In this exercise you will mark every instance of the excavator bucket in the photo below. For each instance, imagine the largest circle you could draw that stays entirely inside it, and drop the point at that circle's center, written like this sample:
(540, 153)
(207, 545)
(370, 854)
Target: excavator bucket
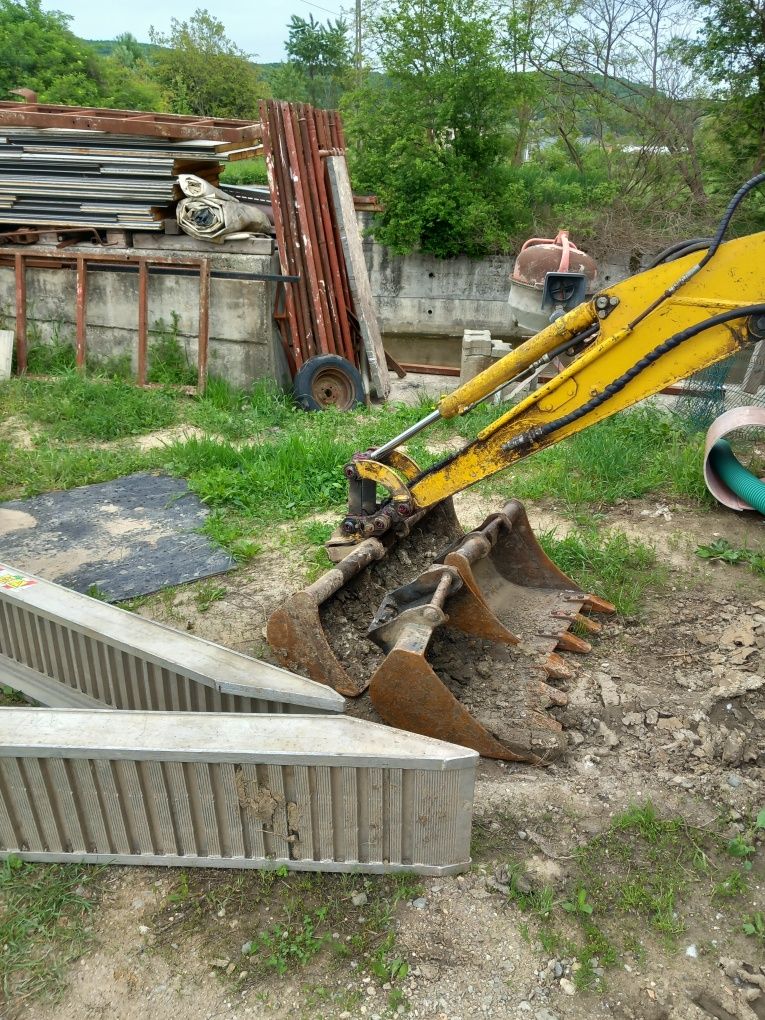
(464, 651)
(471, 643)
(318, 630)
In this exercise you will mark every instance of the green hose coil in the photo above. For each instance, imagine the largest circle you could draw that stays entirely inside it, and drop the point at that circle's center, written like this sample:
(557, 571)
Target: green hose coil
(746, 486)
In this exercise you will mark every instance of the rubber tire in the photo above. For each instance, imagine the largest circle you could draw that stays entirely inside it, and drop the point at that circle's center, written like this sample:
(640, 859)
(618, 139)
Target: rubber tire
(309, 376)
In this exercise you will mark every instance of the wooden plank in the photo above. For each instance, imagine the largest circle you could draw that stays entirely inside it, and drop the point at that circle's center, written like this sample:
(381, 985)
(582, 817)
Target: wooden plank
(358, 276)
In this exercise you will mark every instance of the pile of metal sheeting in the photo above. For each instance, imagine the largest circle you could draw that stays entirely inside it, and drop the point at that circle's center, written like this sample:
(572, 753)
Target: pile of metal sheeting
(62, 177)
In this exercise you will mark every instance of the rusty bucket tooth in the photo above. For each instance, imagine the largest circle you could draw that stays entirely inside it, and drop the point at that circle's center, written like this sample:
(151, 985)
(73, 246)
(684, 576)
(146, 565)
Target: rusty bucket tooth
(295, 631)
(556, 667)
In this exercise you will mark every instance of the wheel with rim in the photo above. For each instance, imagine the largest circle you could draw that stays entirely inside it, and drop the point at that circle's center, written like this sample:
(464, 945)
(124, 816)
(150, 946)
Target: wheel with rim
(328, 381)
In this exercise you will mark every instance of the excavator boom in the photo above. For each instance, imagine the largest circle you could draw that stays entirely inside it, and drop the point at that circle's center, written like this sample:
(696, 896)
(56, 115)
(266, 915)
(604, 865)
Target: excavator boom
(491, 601)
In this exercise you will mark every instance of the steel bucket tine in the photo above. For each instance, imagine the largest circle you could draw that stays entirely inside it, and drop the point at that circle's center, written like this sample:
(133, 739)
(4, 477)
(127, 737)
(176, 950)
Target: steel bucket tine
(407, 693)
(295, 633)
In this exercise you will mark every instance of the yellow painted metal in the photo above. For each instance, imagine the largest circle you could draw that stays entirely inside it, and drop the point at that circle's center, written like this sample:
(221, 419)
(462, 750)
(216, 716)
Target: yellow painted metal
(517, 361)
(733, 278)
(382, 474)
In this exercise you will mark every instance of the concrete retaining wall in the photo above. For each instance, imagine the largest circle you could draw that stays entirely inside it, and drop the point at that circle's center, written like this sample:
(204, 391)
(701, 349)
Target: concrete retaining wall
(243, 347)
(419, 294)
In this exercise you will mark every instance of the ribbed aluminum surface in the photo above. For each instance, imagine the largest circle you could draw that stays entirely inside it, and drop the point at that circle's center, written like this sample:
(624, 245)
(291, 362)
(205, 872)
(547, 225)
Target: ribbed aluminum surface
(334, 794)
(64, 649)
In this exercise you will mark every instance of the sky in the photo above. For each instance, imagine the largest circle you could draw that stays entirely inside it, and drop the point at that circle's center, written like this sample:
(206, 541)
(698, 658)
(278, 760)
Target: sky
(259, 27)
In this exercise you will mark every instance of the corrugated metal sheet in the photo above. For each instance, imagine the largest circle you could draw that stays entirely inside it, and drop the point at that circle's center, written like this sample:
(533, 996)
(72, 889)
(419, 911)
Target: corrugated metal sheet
(311, 793)
(64, 649)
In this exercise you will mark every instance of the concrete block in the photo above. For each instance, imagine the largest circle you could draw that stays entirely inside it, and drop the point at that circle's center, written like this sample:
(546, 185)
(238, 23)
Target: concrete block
(309, 793)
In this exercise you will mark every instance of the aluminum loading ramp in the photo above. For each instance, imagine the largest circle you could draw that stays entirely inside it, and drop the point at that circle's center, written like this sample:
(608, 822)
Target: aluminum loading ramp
(237, 791)
(66, 650)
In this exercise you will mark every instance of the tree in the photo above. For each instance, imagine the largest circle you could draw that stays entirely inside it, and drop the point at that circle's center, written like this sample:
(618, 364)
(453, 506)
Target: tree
(320, 54)
(203, 71)
(730, 50)
(617, 64)
(39, 52)
(431, 129)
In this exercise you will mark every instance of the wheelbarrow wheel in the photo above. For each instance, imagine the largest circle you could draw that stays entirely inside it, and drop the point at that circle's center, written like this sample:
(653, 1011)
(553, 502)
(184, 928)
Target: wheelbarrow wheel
(328, 381)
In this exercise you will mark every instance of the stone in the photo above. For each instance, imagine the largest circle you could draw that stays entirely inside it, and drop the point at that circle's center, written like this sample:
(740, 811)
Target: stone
(733, 780)
(609, 693)
(359, 899)
(632, 718)
(545, 1014)
(567, 987)
(420, 903)
(609, 737)
(672, 723)
(651, 717)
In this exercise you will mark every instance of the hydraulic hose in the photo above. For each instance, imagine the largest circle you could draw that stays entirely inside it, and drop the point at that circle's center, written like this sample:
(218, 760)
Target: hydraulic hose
(739, 479)
(540, 432)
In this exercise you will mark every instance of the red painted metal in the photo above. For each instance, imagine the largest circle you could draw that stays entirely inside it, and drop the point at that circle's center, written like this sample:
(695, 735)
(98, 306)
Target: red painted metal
(32, 258)
(81, 313)
(306, 339)
(21, 314)
(143, 318)
(128, 122)
(318, 314)
(203, 330)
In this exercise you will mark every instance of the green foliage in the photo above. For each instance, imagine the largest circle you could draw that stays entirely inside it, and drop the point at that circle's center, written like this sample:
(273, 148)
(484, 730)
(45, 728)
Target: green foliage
(722, 550)
(38, 51)
(729, 50)
(431, 130)
(245, 171)
(283, 947)
(754, 926)
(318, 61)
(203, 71)
(168, 361)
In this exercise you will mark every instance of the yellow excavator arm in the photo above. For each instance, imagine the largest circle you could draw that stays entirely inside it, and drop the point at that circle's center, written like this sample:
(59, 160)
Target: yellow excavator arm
(633, 339)
(490, 603)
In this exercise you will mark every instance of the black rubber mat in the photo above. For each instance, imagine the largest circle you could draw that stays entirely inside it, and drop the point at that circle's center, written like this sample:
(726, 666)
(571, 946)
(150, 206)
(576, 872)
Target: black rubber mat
(129, 537)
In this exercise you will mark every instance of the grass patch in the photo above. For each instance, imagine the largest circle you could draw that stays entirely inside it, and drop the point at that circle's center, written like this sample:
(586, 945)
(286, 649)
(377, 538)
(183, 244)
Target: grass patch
(75, 407)
(43, 925)
(287, 921)
(608, 564)
(637, 874)
(626, 457)
(49, 467)
(168, 361)
(294, 466)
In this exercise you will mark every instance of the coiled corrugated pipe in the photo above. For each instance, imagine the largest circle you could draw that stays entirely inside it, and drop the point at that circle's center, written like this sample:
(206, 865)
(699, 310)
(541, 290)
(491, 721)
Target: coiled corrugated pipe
(727, 479)
(732, 473)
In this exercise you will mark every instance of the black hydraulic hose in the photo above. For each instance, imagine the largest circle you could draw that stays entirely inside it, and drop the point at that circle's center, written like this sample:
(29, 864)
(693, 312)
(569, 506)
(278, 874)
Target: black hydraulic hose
(742, 192)
(678, 249)
(540, 432)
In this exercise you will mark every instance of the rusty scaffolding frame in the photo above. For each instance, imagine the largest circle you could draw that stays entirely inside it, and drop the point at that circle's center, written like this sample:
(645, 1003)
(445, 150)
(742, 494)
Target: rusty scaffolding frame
(22, 260)
(315, 316)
